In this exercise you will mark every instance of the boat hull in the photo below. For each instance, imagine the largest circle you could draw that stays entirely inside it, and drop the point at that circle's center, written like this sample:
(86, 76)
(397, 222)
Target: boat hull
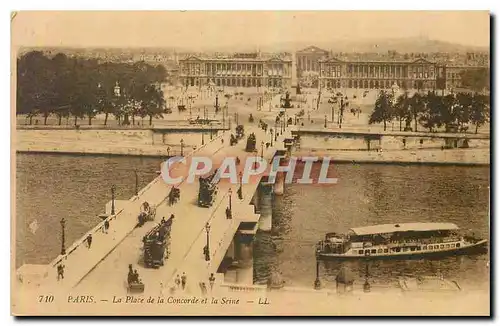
(477, 248)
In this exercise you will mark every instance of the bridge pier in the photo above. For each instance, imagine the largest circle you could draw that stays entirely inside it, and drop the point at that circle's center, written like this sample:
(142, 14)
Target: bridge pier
(240, 251)
(279, 184)
(256, 201)
(265, 206)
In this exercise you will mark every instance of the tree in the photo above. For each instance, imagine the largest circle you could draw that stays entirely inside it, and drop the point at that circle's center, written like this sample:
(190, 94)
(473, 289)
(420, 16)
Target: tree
(449, 112)
(383, 110)
(35, 80)
(463, 109)
(417, 106)
(402, 110)
(431, 116)
(480, 110)
(82, 87)
(153, 103)
(476, 79)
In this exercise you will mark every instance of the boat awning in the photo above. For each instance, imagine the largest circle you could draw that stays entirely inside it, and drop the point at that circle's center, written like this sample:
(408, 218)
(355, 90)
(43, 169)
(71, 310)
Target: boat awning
(403, 227)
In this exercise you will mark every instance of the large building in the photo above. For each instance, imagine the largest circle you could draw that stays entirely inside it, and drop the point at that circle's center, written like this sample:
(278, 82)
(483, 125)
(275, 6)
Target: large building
(237, 70)
(308, 60)
(381, 71)
(415, 74)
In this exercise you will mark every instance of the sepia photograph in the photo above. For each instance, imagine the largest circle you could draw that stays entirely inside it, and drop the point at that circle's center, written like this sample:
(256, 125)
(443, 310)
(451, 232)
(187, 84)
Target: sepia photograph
(250, 163)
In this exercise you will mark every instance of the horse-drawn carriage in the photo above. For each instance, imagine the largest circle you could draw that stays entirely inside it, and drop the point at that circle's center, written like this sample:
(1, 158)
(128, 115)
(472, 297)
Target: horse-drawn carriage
(208, 190)
(251, 141)
(263, 125)
(174, 196)
(233, 141)
(240, 132)
(156, 244)
(148, 213)
(134, 283)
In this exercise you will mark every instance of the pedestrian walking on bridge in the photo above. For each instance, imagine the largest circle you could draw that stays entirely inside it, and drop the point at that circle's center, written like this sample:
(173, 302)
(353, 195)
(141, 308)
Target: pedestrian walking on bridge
(183, 280)
(60, 272)
(89, 240)
(177, 281)
(211, 280)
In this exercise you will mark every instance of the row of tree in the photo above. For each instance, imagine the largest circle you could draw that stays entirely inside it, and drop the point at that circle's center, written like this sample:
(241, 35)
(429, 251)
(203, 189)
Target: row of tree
(432, 111)
(67, 86)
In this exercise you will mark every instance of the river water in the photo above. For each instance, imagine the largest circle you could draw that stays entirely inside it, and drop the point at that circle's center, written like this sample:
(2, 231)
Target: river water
(77, 188)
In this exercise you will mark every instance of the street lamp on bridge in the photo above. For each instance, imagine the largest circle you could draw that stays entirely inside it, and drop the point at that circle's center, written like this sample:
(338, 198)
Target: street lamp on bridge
(182, 147)
(207, 247)
(63, 247)
(113, 188)
(271, 130)
(317, 282)
(136, 183)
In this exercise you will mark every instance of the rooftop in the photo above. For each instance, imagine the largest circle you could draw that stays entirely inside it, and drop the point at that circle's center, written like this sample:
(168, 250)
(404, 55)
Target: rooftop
(403, 227)
(254, 56)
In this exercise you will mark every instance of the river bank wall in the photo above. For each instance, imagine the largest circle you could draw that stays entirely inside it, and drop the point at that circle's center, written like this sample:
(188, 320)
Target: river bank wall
(340, 147)
(137, 142)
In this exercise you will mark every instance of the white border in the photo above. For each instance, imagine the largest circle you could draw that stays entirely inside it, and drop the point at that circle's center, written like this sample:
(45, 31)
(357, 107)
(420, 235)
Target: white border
(182, 5)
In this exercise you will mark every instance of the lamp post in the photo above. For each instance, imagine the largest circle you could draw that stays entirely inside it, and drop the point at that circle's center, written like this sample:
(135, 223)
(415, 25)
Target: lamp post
(190, 102)
(63, 247)
(113, 188)
(202, 137)
(207, 247)
(271, 130)
(230, 192)
(136, 183)
(262, 149)
(325, 120)
(317, 282)
(223, 118)
(275, 130)
(182, 147)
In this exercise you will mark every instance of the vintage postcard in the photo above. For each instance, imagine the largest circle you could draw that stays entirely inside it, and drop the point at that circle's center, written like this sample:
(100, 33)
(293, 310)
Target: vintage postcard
(251, 163)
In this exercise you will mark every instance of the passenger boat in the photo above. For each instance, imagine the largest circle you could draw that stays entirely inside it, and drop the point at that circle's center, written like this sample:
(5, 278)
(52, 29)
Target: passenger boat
(403, 240)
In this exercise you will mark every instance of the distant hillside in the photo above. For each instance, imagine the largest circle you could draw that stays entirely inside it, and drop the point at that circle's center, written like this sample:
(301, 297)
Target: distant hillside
(382, 45)
(414, 44)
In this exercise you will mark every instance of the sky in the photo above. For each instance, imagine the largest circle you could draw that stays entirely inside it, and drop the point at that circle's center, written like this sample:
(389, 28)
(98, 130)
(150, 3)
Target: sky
(257, 28)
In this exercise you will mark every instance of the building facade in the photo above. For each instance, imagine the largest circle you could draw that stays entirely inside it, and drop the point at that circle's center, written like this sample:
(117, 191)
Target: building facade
(238, 70)
(453, 75)
(308, 60)
(416, 74)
